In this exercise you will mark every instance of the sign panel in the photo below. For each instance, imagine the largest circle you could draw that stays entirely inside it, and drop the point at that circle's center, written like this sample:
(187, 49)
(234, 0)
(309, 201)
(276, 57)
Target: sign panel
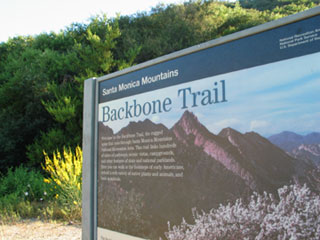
(207, 128)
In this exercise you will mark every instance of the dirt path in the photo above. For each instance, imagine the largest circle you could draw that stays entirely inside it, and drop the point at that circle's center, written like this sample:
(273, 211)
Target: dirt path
(38, 230)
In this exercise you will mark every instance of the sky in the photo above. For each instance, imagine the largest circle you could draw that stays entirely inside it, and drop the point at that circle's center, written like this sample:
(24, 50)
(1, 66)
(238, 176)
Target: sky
(266, 99)
(32, 17)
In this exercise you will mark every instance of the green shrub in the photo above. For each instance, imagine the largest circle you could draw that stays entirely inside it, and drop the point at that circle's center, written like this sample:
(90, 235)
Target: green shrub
(25, 185)
(27, 193)
(23, 194)
(52, 140)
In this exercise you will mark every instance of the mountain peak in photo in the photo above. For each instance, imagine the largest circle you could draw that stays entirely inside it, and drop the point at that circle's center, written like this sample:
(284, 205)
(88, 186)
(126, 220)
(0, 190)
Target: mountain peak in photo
(261, 164)
(189, 122)
(142, 126)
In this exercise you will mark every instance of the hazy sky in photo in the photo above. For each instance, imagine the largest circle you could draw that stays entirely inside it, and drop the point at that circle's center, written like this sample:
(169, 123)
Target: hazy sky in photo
(268, 99)
(32, 17)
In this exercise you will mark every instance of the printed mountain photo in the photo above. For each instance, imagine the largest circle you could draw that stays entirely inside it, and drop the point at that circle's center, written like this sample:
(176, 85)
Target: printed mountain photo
(232, 156)
(218, 169)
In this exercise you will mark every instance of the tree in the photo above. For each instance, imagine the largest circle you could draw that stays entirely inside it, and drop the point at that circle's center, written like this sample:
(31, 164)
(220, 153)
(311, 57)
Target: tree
(21, 113)
(93, 55)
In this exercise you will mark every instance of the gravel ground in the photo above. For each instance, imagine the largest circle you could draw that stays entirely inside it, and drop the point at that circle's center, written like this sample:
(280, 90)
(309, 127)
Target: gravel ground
(38, 230)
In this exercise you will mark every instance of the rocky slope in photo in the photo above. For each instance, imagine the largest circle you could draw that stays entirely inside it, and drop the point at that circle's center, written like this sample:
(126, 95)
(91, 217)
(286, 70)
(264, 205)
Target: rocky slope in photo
(306, 147)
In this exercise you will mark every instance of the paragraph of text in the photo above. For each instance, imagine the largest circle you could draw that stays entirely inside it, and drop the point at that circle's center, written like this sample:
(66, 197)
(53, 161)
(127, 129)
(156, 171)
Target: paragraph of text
(142, 154)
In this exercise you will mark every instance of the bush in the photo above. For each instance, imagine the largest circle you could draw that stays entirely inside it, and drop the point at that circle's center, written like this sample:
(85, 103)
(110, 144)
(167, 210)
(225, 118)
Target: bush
(22, 194)
(28, 194)
(51, 140)
(294, 216)
(66, 179)
(25, 184)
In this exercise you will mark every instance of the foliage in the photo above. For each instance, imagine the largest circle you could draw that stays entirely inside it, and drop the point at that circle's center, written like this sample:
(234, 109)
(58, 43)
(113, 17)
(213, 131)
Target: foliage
(285, 7)
(22, 193)
(295, 215)
(26, 194)
(292, 7)
(52, 140)
(66, 177)
(64, 107)
(28, 184)
(92, 55)
(24, 87)
(21, 114)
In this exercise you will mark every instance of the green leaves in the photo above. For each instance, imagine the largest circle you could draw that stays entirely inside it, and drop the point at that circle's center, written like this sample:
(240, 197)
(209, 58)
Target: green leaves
(65, 103)
(96, 52)
(92, 54)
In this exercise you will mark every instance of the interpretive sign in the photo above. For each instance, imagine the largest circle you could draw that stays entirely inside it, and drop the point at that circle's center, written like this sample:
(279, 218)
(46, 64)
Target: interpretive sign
(205, 127)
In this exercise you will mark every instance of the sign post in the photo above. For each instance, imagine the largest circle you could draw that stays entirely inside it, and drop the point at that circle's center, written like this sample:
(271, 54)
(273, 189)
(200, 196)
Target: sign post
(88, 172)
